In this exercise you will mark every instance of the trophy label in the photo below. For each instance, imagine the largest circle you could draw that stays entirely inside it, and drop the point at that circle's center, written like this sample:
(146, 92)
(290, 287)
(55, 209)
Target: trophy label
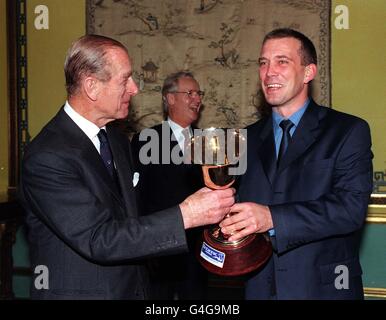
(212, 255)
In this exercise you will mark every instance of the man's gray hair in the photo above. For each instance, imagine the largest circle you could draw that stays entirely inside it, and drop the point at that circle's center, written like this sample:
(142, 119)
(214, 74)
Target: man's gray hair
(171, 85)
(87, 56)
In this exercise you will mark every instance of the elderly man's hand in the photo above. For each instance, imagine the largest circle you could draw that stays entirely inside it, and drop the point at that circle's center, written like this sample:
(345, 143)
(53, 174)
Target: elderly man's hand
(206, 206)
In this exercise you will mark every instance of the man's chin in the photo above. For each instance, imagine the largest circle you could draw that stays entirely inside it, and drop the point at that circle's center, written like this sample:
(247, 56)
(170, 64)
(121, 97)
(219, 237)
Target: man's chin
(273, 102)
(122, 114)
(194, 118)
(195, 113)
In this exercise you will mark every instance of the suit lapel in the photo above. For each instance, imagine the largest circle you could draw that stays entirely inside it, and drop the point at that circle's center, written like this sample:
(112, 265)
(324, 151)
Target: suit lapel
(266, 149)
(91, 155)
(79, 141)
(304, 136)
(123, 163)
(170, 140)
(173, 141)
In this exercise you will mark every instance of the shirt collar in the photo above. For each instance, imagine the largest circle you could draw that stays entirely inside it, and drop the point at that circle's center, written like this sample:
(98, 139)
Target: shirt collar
(89, 128)
(295, 118)
(176, 128)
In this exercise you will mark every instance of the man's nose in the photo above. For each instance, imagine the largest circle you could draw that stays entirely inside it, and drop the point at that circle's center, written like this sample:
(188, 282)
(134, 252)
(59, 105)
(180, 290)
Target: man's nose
(132, 87)
(197, 97)
(270, 70)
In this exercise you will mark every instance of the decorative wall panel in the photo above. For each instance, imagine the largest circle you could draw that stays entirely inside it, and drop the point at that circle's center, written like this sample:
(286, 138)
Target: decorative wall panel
(218, 40)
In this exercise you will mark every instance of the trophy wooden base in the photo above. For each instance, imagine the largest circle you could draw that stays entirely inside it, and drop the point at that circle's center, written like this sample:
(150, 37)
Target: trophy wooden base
(233, 258)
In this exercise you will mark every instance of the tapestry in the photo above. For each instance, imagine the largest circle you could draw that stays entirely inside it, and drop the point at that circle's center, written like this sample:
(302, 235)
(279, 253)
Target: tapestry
(218, 40)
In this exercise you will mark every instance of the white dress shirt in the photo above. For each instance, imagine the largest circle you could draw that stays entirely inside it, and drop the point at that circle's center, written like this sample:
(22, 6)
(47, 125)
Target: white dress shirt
(90, 129)
(179, 133)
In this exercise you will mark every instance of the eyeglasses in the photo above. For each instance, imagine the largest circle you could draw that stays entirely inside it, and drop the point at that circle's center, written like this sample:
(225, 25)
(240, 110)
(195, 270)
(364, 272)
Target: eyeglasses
(192, 93)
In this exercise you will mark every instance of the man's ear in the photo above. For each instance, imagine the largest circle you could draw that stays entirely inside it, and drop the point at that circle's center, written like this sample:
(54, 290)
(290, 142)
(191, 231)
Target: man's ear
(91, 87)
(310, 72)
(170, 98)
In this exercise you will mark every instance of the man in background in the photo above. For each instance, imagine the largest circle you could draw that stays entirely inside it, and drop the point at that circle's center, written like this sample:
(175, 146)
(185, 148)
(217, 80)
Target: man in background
(163, 185)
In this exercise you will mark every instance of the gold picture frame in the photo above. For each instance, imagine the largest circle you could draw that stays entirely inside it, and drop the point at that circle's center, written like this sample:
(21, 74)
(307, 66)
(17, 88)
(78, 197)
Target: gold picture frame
(377, 209)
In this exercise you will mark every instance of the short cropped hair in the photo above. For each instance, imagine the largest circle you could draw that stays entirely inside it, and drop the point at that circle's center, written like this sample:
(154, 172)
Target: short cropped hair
(307, 49)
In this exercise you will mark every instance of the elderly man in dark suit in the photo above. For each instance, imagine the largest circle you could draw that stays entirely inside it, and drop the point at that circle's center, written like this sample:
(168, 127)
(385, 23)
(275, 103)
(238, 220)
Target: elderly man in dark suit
(308, 182)
(77, 187)
(165, 184)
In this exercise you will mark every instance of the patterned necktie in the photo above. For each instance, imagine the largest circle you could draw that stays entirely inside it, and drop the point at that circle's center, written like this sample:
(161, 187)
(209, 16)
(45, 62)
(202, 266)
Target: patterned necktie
(105, 152)
(286, 125)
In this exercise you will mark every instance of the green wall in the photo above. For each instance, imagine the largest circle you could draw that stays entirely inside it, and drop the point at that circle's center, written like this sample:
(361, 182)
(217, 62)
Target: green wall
(373, 255)
(46, 53)
(358, 87)
(359, 68)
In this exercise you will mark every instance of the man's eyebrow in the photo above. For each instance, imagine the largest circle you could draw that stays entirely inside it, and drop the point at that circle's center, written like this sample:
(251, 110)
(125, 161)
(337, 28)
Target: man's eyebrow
(283, 57)
(276, 57)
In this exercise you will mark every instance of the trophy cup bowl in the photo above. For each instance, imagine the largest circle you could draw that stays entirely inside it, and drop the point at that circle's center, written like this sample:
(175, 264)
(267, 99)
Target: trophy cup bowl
(218, 150)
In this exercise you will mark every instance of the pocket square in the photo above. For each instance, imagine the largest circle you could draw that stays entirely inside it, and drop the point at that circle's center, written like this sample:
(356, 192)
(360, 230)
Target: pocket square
(135, 178)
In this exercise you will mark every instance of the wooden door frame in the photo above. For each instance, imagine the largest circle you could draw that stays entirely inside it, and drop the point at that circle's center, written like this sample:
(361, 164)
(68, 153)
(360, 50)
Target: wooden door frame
(18, 135)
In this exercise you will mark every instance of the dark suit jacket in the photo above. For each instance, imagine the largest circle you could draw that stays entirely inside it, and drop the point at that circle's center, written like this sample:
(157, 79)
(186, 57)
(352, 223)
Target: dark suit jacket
(81, 226)
(318, 198)
(164, 185)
